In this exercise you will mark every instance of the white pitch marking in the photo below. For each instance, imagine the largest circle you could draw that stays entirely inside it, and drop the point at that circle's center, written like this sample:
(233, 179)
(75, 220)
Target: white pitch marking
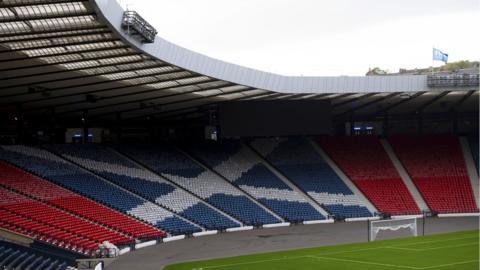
(350, 251)
(451, 246)
(252, 262)
(448, 264)
(365, 262)
(432, 248)
(436, 241)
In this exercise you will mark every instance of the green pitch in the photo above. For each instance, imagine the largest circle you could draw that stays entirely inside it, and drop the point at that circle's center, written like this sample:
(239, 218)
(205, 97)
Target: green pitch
(453, 251)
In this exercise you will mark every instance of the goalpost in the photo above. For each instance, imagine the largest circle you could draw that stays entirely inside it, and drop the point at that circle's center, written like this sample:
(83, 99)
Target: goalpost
(376, 226)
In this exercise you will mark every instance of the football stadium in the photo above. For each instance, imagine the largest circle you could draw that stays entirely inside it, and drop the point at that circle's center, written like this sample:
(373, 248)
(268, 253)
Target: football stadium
(120, 150)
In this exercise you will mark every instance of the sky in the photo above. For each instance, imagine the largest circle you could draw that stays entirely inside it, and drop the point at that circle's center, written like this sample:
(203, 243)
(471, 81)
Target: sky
(319, 37)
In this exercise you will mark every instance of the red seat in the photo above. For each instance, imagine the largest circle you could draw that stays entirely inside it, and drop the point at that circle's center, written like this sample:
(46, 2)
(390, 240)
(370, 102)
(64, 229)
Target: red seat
(438, 169)
(364, 160)
(57, 214)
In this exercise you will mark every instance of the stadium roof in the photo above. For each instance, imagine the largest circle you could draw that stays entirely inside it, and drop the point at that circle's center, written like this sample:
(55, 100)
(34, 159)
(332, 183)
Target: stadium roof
(73, 58)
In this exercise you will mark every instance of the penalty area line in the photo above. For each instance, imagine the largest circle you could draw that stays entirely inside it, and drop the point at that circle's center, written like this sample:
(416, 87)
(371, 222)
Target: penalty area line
(432, 248)
(448, 264)
(365, 262)
(252, 262)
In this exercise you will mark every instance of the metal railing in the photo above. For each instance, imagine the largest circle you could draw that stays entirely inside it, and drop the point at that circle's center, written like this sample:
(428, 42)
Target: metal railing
(136, 26)
(452, 80)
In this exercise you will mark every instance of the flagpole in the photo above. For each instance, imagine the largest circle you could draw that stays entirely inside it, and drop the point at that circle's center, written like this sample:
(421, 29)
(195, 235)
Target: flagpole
(433, 60)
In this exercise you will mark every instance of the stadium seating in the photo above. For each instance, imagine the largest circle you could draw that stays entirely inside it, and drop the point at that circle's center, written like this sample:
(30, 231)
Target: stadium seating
(127, 174)
(53, 168)
(21, 258)
(297, 159)
(364, 160)
(243, 168)
(473, 142)
(437, 166)
(54, 195)
(180, 169)
(52, 225)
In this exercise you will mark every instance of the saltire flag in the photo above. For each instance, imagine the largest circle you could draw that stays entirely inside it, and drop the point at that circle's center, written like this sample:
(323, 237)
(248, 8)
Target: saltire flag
(439, 55)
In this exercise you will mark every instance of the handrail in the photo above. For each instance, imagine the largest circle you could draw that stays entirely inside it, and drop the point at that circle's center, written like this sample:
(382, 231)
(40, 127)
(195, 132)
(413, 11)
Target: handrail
(135, 25)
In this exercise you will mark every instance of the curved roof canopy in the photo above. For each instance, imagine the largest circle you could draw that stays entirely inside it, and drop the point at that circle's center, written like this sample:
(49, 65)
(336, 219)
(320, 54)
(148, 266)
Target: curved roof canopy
(72, 58)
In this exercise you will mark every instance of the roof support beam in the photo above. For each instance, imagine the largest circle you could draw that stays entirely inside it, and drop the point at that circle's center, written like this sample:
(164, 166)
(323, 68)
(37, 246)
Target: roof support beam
(60, 45)
(430, 102)
(263, 96)
(152, 99)
(366, 104)
(69, 33)
(163, 73)
(81, 69)
(53, 90)
(53, 31)
(339, 104)
(42, 3)
(179, 112)
(84, 59)
(89, 75)
(462, 100)
(123, 88)
(384, 110)
(36, 17)
(66, 53)
(189, 100)
(342, 102)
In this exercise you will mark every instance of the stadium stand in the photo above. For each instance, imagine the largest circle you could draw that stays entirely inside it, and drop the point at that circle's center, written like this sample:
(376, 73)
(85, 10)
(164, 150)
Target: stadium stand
(364, 160)
(23, 215)
(243, 168)
(300, 163)
(51, 167)
(473, 142)
(127, 174)
(32, 186)
(437, 167)
(175, 166)
(18, 257)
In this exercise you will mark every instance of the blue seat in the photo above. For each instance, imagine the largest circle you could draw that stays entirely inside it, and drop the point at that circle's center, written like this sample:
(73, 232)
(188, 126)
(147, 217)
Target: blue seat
(180, 169)
(53, 168)
(14, 256)
(245, 170)
(297, 159)
(125, 173)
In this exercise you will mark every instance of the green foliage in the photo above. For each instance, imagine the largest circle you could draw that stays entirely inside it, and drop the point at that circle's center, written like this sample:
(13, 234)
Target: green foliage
(453, 251)
(458, 65)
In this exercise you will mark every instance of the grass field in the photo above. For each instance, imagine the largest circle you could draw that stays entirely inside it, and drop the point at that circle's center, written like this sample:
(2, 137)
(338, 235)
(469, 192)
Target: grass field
(453, 251)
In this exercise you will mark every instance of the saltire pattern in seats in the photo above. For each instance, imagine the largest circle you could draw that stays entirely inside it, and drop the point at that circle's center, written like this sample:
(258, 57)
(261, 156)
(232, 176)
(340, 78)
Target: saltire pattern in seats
(297, 159)
(53, 168)
(123, 172)
(240, 165)
(54, 195)
(167, 161)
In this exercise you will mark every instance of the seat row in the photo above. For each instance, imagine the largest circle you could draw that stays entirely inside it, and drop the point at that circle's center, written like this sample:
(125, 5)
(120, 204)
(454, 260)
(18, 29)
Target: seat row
(24, 258)
(125, 173)
(297, 159)
(364, 160)
(239, 165)
(66, 200)
(45, 216)
(175, 166)
(55, 169)
(437, 167)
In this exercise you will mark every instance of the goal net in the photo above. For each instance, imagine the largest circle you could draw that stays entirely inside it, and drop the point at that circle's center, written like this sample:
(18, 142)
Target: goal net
(408, 224)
